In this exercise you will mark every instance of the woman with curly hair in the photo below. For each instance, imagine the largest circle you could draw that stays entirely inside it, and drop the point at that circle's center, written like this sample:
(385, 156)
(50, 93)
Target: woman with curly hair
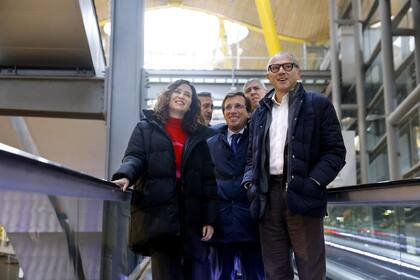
(177, 198)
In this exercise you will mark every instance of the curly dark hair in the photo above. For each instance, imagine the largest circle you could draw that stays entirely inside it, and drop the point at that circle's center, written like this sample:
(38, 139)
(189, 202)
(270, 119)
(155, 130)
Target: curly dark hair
(192, 119)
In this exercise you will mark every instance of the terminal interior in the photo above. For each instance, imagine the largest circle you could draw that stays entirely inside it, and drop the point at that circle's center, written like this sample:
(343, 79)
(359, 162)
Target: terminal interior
(75, 74)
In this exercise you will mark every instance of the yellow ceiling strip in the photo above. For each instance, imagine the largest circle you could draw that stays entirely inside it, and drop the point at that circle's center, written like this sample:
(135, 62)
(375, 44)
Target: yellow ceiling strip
(268, 26)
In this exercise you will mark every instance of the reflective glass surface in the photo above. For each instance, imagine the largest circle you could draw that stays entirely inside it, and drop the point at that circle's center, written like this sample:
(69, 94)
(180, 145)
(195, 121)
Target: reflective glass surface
(375, 124)
(409, 142)
(402, 47)
(374, 78)
(53, 237)
(374, 241)
(371, 35)
(378, 166)
(405, 82)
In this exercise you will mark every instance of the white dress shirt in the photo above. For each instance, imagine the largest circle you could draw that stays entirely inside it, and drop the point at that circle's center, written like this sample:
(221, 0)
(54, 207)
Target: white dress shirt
(278, 133)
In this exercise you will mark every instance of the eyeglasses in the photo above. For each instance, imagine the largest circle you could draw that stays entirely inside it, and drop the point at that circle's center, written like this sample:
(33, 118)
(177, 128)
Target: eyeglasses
(274, 68)
(236, 106)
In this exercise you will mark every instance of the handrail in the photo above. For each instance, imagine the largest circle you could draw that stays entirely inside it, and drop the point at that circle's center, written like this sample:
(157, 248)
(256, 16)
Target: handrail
(20, 171)
(406, 191)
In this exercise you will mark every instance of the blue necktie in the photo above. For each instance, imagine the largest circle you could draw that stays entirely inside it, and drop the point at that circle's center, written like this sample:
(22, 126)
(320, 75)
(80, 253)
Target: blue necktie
(234, 142)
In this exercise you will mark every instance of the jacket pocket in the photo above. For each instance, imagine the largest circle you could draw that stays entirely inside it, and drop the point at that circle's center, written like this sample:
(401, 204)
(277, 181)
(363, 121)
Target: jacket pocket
(312, 189)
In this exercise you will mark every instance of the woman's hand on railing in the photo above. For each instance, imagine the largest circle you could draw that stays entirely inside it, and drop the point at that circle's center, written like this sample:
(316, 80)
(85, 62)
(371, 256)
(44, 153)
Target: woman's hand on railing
(122, 183)
(207, 233)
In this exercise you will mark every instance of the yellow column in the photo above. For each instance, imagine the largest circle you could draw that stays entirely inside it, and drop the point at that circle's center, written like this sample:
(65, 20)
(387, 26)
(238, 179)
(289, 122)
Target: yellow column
(268, 26)
(224, 47)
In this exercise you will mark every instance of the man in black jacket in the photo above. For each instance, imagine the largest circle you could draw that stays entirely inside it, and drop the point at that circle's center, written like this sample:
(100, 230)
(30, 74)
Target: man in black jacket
(296, 149)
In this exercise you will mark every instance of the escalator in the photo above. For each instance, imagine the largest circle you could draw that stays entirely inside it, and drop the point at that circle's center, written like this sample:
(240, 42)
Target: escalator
(373, 231)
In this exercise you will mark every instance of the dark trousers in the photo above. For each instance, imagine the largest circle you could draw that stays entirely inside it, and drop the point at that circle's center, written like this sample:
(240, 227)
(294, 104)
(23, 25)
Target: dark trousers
(283, 232)
(173, 266)
(249, 255)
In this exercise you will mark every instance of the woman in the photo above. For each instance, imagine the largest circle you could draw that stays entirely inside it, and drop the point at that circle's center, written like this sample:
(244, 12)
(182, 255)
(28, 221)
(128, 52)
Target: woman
(177, 197)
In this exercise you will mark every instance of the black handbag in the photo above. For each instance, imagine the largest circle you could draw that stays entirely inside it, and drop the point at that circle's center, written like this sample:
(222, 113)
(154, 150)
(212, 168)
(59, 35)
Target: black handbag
(138, 239)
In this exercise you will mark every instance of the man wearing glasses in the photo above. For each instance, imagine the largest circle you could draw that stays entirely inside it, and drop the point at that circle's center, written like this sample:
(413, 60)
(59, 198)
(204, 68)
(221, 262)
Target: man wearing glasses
(296, 149)
(236, 233)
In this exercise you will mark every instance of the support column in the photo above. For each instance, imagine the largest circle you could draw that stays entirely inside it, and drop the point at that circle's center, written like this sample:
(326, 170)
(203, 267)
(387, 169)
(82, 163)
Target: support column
(335, 64)
(125, 93)
(415, 5)
(360, 91)
(389, 86)
(268, 26)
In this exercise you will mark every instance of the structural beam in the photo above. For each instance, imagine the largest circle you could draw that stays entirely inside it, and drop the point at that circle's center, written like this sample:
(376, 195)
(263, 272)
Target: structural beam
(125, 81)
(268, 26)
(335, 64)
(389, 86)
(80, 98)
(415, 5)
(360, 91)
(47, 34)
(413, 99)
(93, 36)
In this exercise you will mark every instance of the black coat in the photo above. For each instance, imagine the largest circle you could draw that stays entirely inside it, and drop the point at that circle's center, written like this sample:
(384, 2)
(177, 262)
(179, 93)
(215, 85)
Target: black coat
(314, 153)
(234, 223)
(171, 213)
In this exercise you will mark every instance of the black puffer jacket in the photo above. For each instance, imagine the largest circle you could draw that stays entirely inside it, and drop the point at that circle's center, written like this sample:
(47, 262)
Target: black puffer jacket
(170, 214)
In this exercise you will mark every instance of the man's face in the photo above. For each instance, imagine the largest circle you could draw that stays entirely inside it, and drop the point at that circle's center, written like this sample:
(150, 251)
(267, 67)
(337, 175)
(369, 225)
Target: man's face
(235, 113)
(283, 81)
(206, 108)
(255, 93)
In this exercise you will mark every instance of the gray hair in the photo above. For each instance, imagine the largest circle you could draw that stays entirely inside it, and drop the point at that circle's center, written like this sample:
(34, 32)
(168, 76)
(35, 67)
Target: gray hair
(290, 56)
(258, 81)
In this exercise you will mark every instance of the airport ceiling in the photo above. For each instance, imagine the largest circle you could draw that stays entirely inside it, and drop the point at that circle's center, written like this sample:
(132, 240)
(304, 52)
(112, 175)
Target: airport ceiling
(298, 21)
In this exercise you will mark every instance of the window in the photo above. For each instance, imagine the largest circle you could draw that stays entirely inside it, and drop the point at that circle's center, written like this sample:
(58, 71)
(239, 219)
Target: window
(375, 124)
(402, 47)
(371, 35)
(378, 166)
(405, 82)
(409, 142)
(374, 78)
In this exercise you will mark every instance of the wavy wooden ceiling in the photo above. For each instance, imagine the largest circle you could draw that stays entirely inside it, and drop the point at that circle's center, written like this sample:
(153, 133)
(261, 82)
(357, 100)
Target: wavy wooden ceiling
(303, 19)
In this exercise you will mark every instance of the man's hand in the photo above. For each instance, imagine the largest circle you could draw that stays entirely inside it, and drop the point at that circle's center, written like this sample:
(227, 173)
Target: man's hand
(207, 233)
(122, 183)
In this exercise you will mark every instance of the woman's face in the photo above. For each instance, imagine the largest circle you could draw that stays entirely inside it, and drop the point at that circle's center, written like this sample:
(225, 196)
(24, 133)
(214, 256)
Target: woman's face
(180, 101)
